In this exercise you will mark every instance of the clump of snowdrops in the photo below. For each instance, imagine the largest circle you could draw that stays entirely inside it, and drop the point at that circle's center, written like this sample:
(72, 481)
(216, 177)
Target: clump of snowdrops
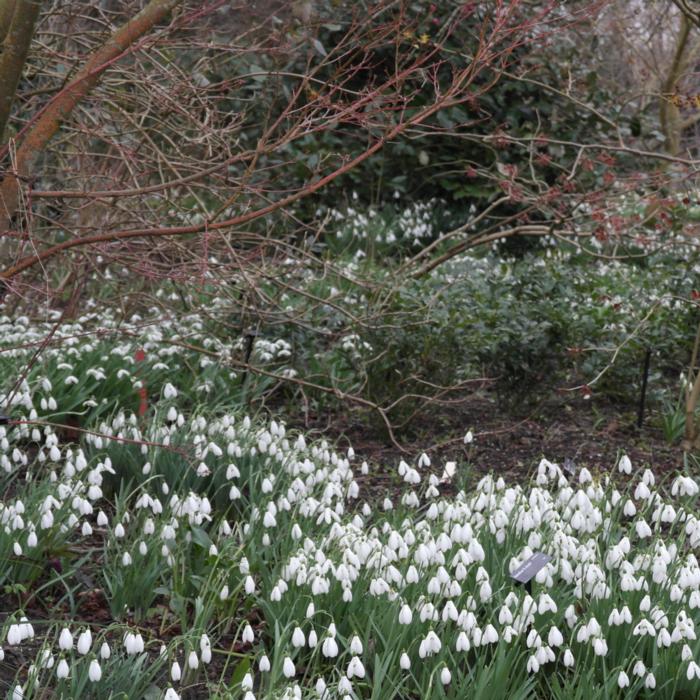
(237, 560)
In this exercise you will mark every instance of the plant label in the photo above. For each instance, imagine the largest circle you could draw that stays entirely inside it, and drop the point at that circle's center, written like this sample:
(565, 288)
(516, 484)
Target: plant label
(529, 568)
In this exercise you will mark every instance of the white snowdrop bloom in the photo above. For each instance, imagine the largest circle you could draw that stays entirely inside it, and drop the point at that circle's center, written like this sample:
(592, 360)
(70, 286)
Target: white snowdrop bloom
(18, 693)
(249, 585)
(490, 635)
(568, 658)
(205, 655)
(600, 646)
(193, 660)
(405, 615)
(119, 530)
(405, 662)
(288, 668)
(468, 437)
(356, 645)
(639, 668)
(171, 694)
(650, 681)
(14, 635)
(17, 549)
(105, 651)
(95, 671)
(84, 642)
(169, 391)
(445, 676)
(355, 668)
(329, 648)
(248, 636)
(102, 520)
(686, 653)
(623, 680)
(32, 540)
(533, 665)
(247, 682)
(624, 466)
(629, 509)
(264, 664)
(693, 671)
(175, 672)
(62, 669)
(298, 638)
(645, 604)
(65, 640)
(555, 637)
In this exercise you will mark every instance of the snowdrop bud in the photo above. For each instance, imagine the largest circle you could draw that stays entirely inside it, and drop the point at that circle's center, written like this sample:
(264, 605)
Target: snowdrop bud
(693, 671)
(445, 676)
(288, 668)
(84, 642)
(14, 635)
(356, 645)
(264, 665)
(405, 615)
(313, 639)
(65, 640)
(175, 671)
(192, 660)
(62, 669)
(105, 651)
(298, 639)
(623, 680)
(247, 682)
(248, 637)
(170, 694)
(223, 595)
(568, 658)
(404, 662)
(206, 655)
(18, 693)
(94, 671)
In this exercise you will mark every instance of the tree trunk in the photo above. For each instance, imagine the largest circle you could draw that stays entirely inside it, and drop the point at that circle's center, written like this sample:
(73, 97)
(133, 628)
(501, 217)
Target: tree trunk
(7, 8)
(15, 49)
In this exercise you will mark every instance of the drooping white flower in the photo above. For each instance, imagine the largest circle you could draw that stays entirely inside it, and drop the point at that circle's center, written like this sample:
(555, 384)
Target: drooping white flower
(94, 671)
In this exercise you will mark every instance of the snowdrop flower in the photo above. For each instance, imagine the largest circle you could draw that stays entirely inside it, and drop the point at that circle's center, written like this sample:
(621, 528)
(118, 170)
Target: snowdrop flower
(356, 645)
(65, 640)
(355, 668)
(264, 664)
(84, 642)
(169, 391)
(568, 658)
(18, 693)
(94, 671)
(445, 676)
(248, 637)
(650, 681)
(298, 638)
(405, 615)
(405, 662)
(288, 668)
(469, 437)
(170, 694)
(62, 669)
(624, 466)
(329, 648)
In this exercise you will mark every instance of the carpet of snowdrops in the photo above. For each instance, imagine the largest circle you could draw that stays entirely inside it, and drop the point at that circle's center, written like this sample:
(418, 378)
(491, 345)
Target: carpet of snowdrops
(234, 558)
